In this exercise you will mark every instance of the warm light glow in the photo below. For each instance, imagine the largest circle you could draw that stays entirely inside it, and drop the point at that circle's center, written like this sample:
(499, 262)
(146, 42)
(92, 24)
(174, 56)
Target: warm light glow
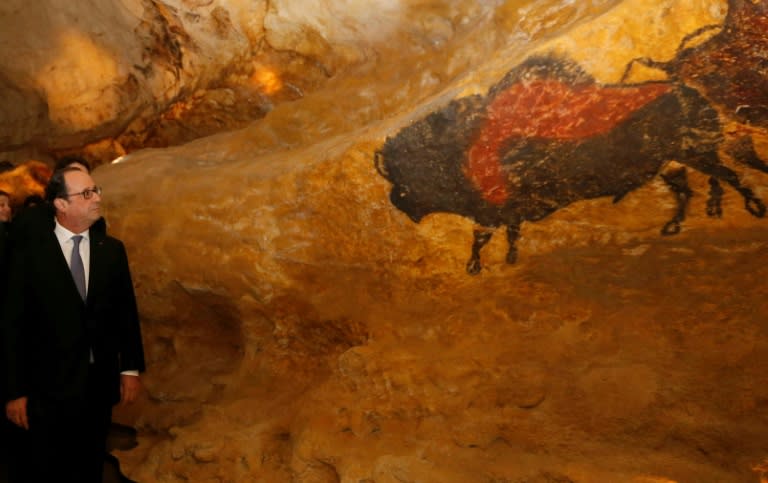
(652, 479)
(81, 74)
(267, 80)
(762, 470)
(28, 178)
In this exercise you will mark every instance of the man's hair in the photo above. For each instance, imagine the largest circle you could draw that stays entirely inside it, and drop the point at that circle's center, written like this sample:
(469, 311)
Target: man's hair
(57, 187)
(4, 193)
(64, 162)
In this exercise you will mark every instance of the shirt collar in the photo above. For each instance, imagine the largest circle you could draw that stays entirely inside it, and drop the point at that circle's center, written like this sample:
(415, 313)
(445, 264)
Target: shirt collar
(63, 235)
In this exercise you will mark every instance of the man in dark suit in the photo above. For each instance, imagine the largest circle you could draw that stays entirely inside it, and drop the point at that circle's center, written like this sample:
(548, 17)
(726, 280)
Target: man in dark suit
(71, 336)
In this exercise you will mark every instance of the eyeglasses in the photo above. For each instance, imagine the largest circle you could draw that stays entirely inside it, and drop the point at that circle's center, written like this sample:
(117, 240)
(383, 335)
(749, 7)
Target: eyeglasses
(87, 194)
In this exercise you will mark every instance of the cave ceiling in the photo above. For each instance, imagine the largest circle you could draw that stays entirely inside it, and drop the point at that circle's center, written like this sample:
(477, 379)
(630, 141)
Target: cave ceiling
(103, 79)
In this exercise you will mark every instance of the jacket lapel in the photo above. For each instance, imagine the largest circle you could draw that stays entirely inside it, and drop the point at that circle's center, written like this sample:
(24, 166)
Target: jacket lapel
(58, 260)
(96, 269)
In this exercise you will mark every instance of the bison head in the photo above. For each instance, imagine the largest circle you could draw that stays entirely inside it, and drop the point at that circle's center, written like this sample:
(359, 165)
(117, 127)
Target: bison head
(424, 161)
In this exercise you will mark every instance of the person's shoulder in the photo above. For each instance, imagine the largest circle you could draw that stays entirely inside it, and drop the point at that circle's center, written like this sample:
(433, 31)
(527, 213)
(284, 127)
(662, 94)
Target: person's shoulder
(100, 226)
(111, 242)
(31, 221)
(37, 214)
(112, 248)
(108, 238)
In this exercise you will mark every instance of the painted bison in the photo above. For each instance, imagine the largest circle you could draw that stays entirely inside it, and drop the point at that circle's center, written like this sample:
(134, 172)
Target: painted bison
(728, 64)
(548, 135)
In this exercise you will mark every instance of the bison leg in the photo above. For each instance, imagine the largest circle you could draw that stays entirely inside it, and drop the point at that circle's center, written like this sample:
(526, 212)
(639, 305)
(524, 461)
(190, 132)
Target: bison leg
(481, 238)
(677, 180)
(743, 151)
(753, 204)
(715, 200)
(513, 233)
(710, 164)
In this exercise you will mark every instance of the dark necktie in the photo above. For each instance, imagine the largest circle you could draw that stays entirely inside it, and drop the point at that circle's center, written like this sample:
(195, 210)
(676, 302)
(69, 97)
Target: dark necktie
(76, 266)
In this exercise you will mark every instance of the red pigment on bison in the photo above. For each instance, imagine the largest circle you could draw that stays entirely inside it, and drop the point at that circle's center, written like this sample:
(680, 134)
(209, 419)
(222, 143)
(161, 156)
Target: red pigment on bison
(548, 109)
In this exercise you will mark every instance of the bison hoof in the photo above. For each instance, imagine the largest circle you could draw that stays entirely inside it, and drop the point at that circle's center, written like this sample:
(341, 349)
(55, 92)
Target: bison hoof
(756, 207)
(671, 228)
(473, 266)
(511, 256)
(714, 209)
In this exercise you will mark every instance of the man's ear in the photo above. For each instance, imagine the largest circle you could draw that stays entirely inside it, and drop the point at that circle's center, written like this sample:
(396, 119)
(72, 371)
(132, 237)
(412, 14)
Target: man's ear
(59, 204)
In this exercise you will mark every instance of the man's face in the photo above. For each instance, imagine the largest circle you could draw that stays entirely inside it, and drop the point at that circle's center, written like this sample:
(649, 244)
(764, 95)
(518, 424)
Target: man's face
(76, 207)
(5, 208)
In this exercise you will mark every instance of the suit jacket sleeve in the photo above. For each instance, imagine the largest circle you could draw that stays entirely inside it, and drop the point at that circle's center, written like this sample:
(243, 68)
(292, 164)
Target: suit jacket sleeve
(131, 347)
(14, 335)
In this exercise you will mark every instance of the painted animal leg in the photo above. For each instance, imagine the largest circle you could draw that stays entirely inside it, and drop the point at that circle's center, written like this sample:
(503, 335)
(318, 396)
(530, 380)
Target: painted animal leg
(677, 180)
(513, 233)
(481, 238)
(715, 200)
(710, 164)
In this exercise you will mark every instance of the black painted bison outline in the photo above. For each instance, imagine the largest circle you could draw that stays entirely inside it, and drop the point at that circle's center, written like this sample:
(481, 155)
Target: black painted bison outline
(426, 161)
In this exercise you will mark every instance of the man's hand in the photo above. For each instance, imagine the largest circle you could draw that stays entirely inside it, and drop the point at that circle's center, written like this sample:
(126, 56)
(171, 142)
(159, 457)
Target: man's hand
(16, 412)
(130, 387)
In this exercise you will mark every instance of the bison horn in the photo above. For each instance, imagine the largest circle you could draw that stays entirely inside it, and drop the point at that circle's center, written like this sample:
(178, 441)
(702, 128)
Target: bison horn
(380, 167)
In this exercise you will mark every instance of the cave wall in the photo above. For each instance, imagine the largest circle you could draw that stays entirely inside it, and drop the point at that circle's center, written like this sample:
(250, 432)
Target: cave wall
(306, 322)
(303, 327)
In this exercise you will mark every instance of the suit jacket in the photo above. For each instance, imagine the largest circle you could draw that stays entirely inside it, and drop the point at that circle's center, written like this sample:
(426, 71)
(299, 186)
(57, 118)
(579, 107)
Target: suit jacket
(49, 332)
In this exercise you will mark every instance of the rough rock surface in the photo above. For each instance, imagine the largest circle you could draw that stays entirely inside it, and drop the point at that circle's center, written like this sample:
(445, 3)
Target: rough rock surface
(104, 78)
(301, 328)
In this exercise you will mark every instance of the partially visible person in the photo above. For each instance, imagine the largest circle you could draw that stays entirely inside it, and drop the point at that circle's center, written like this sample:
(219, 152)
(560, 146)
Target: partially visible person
(5, 207)
(71, 336)
(32, 200)
(6, 429)
(5, 220)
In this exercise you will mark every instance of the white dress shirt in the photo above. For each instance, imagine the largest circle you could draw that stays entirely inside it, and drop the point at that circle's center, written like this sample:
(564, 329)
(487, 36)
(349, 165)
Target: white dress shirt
(65, 241)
